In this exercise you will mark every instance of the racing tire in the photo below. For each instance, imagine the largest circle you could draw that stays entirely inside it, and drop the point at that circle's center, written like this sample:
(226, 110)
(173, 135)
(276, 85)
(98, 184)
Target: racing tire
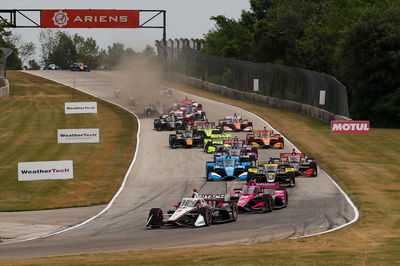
(235, 212)
(292, 179)
(156, 218)
(158, 127)
(206, 213)
(314, 166)
(268, 206)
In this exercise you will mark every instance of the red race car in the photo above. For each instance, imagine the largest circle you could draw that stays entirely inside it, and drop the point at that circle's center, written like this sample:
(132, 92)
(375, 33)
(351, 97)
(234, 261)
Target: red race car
(302, 164)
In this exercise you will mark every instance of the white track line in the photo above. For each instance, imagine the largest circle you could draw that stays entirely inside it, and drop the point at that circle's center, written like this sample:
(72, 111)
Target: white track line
(119, 190)
(356, 212)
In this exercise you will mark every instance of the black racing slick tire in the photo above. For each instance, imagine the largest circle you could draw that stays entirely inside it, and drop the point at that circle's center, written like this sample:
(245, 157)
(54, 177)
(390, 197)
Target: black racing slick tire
(268, 206)
(235, 212)
(292, 179)
(155, 219)
(206, 213)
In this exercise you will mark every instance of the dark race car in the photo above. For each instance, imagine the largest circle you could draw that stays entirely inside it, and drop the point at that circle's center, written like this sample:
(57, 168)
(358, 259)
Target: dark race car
(186, 139)
(260, 197)
(303, 165)
(272, 172)
(197, 211)
(79, 67)
(168, 122)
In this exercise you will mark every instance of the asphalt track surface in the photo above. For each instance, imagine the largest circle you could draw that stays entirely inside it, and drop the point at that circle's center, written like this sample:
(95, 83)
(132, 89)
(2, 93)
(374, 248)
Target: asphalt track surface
(162, 176)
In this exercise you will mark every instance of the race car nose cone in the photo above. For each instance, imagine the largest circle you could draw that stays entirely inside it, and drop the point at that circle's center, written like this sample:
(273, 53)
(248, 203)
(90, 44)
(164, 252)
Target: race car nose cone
(229, 171)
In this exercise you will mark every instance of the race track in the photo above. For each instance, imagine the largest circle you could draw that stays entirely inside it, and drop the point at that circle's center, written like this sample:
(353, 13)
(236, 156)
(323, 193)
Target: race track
(162, 176)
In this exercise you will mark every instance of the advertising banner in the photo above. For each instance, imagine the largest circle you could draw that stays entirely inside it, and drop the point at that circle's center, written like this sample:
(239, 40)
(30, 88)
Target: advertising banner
(89, 18)
(80, 107)
(79, 135)
(350, 126)
(47, 170)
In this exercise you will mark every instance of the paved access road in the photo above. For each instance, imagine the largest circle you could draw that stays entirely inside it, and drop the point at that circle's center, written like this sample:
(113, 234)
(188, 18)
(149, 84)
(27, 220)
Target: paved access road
(162, 176)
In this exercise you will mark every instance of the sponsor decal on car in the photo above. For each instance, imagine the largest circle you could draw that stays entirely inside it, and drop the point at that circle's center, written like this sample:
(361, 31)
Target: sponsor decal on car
(45, 170)
(350, 126)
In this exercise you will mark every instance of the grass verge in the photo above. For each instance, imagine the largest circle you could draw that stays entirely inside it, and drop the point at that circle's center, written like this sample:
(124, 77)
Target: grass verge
(367, 168)
(30, 118)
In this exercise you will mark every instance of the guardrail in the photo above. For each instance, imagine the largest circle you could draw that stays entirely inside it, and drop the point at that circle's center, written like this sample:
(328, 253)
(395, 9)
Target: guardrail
(305, 109)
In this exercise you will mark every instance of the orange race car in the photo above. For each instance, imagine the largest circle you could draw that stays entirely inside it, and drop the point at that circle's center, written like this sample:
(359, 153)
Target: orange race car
(235, 123)
(265, 139)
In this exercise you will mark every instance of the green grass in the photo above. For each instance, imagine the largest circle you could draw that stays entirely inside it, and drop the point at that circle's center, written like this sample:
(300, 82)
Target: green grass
(30, 118)
(365, 165)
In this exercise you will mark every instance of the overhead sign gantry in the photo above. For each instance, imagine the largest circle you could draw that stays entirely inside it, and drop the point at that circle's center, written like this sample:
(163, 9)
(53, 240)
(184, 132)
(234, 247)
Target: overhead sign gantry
(83, 18)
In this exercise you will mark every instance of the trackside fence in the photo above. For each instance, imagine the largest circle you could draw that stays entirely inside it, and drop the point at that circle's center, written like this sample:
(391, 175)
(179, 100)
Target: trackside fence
(279, 86)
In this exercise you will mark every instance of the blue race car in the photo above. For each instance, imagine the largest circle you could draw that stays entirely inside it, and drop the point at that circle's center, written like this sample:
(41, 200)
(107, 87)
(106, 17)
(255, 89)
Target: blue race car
(226, 168)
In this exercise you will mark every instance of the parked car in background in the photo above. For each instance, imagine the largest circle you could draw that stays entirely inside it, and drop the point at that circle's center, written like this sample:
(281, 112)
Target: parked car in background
(51, 67)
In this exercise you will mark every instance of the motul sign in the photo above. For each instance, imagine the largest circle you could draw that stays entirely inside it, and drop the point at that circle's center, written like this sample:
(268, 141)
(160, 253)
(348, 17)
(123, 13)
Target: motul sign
(349, 126)
(90, 18)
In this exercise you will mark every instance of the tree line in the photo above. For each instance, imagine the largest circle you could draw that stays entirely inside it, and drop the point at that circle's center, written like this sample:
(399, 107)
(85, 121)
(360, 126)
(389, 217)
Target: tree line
(357, 41)
(63, 49)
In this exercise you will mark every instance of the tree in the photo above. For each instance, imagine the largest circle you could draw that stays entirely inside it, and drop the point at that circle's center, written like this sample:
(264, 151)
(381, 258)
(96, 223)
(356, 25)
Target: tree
(7, 40)
(115, 54)
(371, 58)
(87, 51)
(33, 65)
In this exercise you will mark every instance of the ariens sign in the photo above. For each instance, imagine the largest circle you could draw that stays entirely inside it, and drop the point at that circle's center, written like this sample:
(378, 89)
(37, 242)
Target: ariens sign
(350, 126)
(46, 170)
(80, 107)
(79, 135)
(90, 18)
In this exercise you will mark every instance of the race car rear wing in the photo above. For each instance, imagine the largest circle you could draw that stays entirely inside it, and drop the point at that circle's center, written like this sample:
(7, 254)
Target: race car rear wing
(285, 155)
(213, 197)
(268, 185)
(255, 132)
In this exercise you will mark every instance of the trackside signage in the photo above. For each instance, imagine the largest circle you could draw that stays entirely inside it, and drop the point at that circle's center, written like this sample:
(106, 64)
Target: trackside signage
(47, 170)
(80, 107)
(89, 18)
(79, 135)
(350, 126)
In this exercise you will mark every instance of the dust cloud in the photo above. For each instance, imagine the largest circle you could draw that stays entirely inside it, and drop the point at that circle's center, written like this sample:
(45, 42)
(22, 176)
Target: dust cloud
(139, 83)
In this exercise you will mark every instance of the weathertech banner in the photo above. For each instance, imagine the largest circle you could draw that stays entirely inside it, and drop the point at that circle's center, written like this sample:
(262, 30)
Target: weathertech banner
(80, 107)
(89, 18)
(350, 126)
(30, 171)
(79, 135)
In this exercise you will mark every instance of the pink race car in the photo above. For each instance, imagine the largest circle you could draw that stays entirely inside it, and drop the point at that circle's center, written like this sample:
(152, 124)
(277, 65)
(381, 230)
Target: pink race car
(260, 197)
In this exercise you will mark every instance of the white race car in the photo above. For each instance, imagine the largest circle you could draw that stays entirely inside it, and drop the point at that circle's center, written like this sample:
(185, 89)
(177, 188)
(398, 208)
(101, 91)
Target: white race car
(199, 210)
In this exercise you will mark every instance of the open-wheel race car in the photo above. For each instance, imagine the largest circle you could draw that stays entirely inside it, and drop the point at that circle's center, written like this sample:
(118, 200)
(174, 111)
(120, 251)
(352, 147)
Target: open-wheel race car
(237, 150)
(186, 139)
(169, 122)
(303, 165)
(265, 139)
(188, 109)
(235, 123)
(272, 172)
(260, 197)
(227, 168)
(196, 211)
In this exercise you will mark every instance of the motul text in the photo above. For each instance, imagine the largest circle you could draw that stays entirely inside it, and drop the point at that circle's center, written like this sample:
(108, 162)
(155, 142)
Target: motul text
(350, 126)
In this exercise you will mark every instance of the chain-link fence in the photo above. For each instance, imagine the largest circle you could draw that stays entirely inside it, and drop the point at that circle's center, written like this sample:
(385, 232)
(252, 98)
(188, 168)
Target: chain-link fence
(288, 83)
